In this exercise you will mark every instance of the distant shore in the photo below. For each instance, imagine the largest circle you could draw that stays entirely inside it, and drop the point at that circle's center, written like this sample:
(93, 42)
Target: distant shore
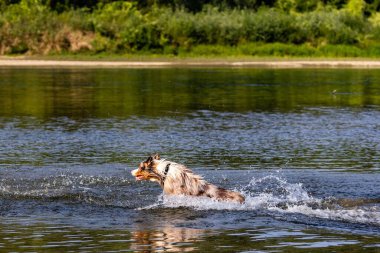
(267, 63)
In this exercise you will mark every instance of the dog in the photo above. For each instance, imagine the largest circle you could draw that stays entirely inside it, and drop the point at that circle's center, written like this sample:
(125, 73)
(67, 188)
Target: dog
(177, 179)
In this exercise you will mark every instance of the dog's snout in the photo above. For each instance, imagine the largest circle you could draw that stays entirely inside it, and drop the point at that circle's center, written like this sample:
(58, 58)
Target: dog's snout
(134, 172)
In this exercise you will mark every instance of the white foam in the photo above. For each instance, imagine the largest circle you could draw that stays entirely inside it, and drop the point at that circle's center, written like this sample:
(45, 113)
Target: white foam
(275, 194)
(357, 215)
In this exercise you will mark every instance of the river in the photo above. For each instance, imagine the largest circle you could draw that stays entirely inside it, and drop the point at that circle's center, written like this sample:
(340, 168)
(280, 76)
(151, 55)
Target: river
(302, 145)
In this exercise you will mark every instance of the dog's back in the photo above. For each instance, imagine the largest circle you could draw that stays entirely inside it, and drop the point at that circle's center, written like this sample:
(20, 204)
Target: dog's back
(181, 180)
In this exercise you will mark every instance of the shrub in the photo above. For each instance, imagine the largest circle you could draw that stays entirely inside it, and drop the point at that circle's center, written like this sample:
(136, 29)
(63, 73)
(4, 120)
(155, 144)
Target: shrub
(269, 26)
(356, 7)
(335, 27)
(30, 27)
(27, 27)
(216, 27)
(173, 28)
(122, 23)
(375, 26)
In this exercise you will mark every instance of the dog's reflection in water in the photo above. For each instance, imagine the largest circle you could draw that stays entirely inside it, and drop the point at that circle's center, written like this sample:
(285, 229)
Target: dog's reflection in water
(169, 239)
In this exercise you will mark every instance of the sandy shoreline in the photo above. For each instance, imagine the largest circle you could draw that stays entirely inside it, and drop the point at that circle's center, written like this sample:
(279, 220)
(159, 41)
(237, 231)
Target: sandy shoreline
(193, 63)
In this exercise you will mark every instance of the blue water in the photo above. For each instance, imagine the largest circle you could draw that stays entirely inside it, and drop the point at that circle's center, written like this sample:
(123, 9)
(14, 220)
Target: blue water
(306, 157)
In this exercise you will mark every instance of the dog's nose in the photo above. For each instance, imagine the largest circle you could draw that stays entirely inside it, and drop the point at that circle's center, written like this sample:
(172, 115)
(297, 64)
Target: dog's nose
(134, 172)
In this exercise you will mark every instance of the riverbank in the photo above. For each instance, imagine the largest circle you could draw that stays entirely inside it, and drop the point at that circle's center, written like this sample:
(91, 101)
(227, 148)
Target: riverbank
(161, 63)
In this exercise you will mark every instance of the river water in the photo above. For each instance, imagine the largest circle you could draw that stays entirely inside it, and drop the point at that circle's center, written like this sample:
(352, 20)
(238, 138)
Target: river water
(302, 145)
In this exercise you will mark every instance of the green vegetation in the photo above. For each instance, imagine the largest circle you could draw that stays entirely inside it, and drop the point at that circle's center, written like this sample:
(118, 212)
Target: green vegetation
(329, 28)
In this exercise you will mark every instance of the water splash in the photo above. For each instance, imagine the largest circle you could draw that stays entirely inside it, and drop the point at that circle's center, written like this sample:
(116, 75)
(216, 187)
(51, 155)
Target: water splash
(72, 187)
(274, 195)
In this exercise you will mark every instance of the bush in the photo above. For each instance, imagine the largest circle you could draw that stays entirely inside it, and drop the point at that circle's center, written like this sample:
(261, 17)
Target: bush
(375, 26)
(27, 27)
(215, 27)
(269, 26)
(335, 27)
(30, 27)
(121, 22)
(173, 28)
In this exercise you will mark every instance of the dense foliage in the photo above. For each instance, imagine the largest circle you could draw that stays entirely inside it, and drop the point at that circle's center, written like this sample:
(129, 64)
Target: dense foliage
(243, 27)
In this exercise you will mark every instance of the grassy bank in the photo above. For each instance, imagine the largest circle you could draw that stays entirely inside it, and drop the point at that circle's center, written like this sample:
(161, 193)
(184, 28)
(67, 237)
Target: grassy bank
(250, 51)
(260, 50)
(31, 27)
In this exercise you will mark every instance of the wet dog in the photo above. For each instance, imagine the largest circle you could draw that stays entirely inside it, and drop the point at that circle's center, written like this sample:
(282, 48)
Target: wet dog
(177, 179)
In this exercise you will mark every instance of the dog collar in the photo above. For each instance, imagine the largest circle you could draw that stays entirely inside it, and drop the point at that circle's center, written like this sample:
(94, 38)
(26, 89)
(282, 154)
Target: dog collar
(165, 172)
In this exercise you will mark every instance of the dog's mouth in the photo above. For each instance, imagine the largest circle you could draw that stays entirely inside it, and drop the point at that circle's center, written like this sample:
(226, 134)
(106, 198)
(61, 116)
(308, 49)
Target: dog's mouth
(139, 178)
(145, 175)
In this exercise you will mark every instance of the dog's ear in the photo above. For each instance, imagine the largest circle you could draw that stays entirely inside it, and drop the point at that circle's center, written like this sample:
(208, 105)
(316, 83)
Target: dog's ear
(149, 160)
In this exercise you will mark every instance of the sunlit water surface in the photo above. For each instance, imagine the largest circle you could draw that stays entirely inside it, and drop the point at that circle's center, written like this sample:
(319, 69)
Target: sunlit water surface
(301, 145)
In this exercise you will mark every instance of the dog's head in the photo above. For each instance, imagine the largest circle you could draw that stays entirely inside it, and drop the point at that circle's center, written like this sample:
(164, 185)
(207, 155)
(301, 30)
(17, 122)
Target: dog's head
(148, 170)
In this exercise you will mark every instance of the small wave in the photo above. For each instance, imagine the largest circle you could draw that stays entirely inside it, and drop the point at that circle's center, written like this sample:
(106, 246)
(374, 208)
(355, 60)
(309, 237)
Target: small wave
(72, 187)
(271, 194)
(357, 215)
(275, 195)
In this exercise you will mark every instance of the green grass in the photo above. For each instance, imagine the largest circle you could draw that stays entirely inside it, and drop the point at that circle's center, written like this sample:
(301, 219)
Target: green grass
(251, 51)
